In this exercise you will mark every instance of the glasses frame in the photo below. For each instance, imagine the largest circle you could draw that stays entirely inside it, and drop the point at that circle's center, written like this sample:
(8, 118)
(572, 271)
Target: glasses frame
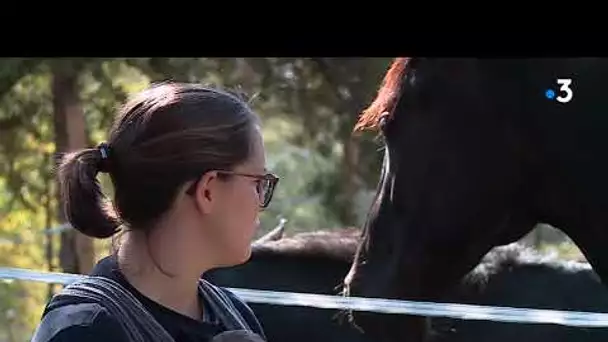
(272, 178)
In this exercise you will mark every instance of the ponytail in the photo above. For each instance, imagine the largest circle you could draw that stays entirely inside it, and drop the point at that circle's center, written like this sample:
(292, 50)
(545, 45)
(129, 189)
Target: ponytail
(84, 205)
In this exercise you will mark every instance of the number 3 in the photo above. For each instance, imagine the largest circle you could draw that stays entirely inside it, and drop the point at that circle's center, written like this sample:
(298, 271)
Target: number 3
(565, 87)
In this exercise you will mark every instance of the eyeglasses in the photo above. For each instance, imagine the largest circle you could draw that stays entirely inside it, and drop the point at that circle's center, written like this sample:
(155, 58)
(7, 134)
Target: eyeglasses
(265, 185)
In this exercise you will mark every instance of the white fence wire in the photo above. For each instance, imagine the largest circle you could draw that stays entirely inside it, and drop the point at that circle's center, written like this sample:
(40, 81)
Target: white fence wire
(390, 306)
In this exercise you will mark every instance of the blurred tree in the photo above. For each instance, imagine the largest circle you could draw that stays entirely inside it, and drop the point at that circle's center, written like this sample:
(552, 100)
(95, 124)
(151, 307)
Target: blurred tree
(25, 151)
(353, 82)
(324, 96)
(77, 253)
(13, 69)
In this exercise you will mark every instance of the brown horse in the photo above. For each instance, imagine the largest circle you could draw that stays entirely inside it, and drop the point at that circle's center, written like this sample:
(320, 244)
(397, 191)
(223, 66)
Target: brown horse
(477, 152)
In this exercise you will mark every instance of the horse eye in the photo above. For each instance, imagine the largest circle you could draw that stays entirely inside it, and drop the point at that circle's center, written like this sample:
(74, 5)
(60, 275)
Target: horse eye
(412, 80)
(382, 123)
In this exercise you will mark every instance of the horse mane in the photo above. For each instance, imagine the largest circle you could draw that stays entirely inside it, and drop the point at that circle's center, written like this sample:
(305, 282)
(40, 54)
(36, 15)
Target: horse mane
(334, 244)
(386, 98)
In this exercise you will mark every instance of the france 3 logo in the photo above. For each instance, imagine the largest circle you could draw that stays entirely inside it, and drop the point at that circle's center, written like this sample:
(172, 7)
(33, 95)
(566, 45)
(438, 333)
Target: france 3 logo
(564, 93)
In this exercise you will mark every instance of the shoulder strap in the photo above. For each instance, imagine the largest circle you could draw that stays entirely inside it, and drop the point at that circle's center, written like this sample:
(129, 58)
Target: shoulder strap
(223, 307)
(138, 323)
(56, 320)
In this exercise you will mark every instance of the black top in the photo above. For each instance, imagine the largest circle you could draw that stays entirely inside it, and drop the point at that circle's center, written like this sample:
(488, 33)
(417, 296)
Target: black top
(80, 320)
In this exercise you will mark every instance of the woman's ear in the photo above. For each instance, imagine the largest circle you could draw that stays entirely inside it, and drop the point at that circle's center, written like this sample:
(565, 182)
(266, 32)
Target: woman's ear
(207, 192)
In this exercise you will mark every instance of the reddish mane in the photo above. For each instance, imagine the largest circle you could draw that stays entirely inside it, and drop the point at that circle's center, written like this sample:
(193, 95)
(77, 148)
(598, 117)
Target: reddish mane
(387, 95)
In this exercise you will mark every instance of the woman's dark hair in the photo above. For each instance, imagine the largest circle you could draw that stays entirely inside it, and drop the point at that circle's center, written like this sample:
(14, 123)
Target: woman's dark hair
(163, 137)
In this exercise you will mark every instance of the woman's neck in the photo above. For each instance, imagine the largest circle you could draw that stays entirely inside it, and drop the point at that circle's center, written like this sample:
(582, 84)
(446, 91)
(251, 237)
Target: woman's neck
(178, 292)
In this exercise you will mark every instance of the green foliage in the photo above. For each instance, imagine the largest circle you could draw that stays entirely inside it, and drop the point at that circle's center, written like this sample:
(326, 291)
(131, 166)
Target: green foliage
(105, 86)
(21, 303)
(13, 69)
(564, 250)
(26, 188)
(298, 169)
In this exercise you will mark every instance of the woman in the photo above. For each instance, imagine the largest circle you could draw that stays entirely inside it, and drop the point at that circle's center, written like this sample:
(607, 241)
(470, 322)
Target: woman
(188, 168)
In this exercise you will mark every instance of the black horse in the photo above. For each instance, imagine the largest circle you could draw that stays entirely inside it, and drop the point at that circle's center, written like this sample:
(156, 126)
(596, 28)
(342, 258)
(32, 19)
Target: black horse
(477, 152)
(512, 275)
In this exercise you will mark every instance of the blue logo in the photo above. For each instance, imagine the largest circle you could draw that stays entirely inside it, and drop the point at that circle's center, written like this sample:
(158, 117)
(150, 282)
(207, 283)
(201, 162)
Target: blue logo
(550, 94)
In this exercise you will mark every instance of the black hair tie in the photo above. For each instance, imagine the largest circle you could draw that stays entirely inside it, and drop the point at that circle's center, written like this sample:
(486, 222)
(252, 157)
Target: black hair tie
(104, 160)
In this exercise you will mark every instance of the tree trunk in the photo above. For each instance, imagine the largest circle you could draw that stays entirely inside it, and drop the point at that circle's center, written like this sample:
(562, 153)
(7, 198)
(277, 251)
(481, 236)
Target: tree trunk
(49, 247)
(350, 180)
(76, 254)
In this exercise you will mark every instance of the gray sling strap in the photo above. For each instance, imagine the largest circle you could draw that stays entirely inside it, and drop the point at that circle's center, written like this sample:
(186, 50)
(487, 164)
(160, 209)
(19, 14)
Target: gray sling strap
(137, 322)
(223, 307)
